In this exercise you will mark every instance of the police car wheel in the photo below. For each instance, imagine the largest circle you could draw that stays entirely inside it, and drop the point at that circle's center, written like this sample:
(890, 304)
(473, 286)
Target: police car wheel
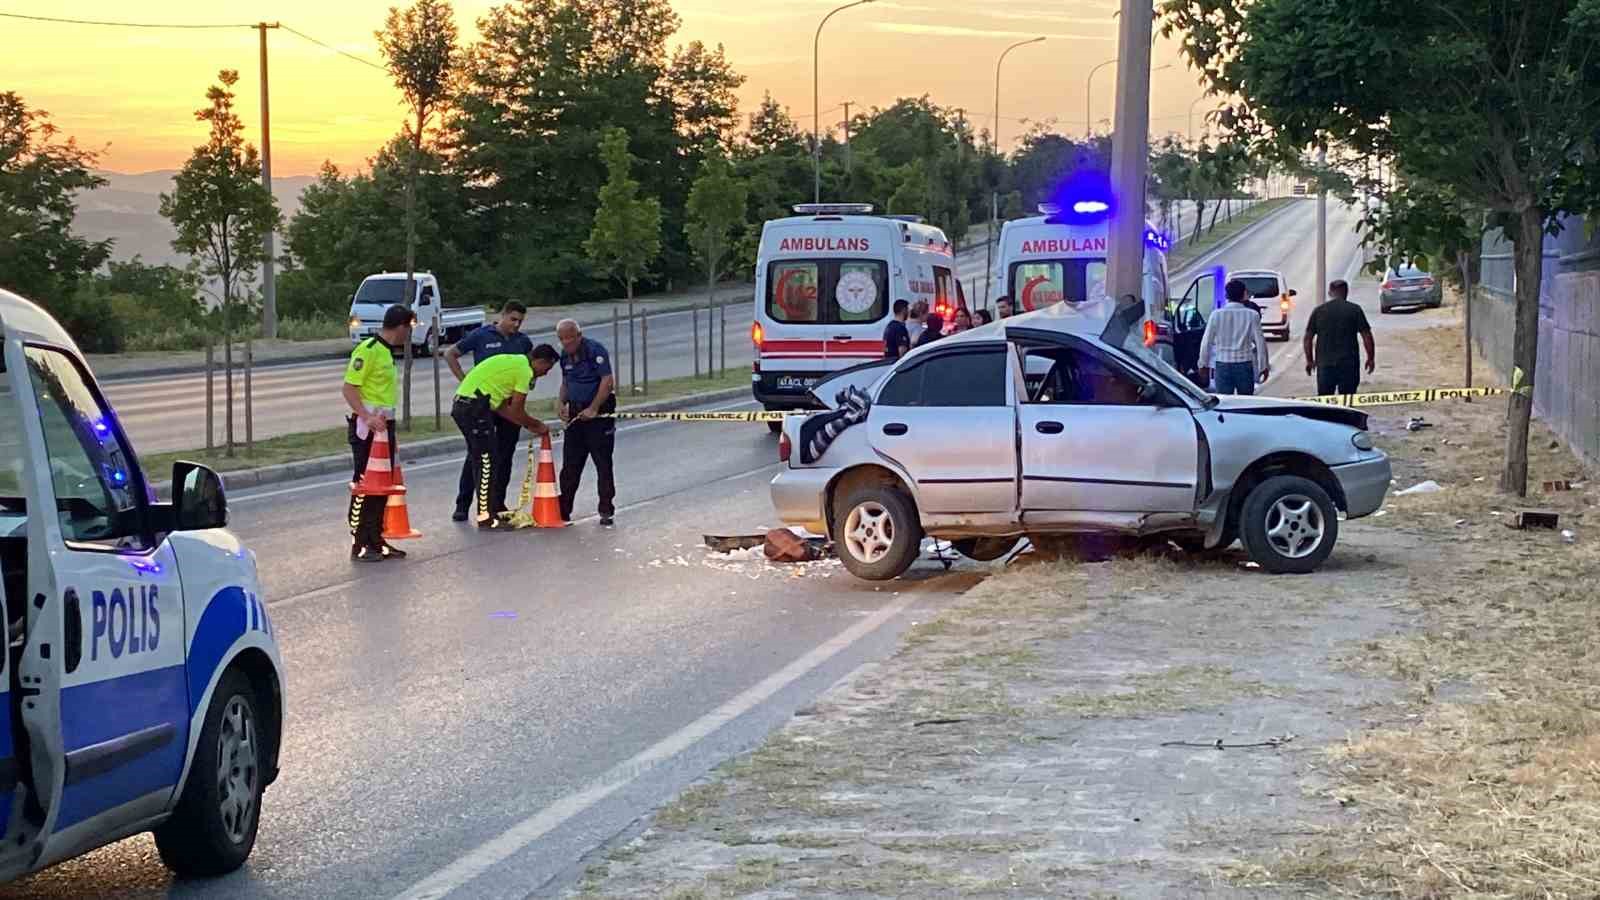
(213, 829)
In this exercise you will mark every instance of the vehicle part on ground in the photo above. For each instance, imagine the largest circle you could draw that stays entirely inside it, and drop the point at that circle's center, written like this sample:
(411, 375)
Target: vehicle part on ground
(877, 532)
(1290, 525)
(214, 826)
(985, 549)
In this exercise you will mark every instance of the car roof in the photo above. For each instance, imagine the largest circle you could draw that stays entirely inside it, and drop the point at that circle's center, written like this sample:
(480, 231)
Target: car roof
(1274, 273)
(23, 317)
(391, 276)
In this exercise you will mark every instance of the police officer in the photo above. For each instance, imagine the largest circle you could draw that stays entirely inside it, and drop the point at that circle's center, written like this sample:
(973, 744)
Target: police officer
(587, 400)
(504, 336)
(369, 391)
(497, 389)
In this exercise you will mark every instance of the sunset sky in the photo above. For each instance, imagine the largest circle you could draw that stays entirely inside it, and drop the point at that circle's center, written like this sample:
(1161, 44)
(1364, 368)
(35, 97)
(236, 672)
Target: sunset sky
(132, 92)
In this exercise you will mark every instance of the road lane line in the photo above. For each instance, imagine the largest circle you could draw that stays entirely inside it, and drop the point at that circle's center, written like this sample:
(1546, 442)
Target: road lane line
(514, 839)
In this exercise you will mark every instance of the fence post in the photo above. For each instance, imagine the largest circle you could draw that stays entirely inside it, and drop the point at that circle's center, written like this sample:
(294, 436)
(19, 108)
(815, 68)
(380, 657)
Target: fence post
(433, 351)
(644, 347)
(211, 394)
(722, 313)
(616, 346)
(249, 407)
(694, 319)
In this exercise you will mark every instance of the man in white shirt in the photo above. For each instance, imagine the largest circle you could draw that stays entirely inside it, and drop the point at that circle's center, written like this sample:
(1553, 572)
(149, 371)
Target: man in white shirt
(1234, 346)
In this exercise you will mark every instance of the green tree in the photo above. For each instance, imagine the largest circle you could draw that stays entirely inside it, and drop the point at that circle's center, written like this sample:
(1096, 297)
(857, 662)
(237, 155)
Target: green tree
(626, 237)
(704, 95)
(1488, 100)
(40, 178)
(221, 213)
(716, 213)
(419, 44)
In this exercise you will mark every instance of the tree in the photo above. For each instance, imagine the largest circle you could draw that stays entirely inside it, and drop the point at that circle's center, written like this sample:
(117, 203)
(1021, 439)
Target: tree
(716, 210)
(40, 177)
(704, 95)
(419, 44)
(222, 212)
(626, 237)
(1489, 100)
(773, 131)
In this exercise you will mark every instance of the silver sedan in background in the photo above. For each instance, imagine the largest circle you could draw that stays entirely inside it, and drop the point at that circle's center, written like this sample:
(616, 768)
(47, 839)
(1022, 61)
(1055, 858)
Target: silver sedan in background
(1062, 422)
(1410, 287)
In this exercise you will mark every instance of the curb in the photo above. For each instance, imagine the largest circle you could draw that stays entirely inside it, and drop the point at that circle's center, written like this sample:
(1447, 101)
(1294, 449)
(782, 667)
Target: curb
(412, 452)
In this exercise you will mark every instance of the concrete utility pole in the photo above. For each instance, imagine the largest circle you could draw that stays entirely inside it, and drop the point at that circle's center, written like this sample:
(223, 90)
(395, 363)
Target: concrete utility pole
(816, 100)
(1130, 151)
(849, 160)
(269, 282)
(1322, 228)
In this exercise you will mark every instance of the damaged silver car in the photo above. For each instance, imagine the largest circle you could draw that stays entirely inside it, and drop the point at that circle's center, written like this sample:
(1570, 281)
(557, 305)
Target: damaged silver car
(1064, 422)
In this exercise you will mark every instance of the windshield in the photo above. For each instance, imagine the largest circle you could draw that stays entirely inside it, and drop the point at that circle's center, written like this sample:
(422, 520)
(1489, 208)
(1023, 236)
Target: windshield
(1261, 286)
(387, 291)
(1133, 345)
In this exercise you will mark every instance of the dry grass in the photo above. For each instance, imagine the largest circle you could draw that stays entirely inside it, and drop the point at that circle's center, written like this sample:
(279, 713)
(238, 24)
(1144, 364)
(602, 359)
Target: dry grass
(1173, 690)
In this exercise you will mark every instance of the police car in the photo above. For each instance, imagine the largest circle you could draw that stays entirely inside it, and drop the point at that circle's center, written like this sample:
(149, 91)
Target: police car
(826, 282)
(142, 683)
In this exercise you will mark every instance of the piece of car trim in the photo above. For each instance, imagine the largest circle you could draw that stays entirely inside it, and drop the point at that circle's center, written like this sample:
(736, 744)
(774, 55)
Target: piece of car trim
(98, 759)
(1113, 481)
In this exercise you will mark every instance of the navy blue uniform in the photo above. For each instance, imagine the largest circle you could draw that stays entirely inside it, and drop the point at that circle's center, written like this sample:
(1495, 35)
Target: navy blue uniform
(596, 439)
(482, 343)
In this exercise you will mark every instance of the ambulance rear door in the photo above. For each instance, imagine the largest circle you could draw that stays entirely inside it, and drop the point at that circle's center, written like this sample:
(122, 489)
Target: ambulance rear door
(1046, 263)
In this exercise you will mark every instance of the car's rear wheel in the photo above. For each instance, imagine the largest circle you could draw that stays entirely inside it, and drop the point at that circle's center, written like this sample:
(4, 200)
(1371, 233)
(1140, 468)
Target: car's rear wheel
(213, 829)
(876, 532)
(985, 549)
(1290, 525)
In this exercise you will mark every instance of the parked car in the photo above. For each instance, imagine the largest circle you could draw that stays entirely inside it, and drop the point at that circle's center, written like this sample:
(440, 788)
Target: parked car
(1063, 422)
(431, 317)
(1408, 287)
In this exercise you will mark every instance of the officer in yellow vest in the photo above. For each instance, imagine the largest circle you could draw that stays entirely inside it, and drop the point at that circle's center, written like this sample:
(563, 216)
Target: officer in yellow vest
(369, 391)
(498, 386)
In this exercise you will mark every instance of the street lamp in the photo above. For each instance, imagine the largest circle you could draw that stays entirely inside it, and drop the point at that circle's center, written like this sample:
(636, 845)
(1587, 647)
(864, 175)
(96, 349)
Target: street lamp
(816, 99)
(1088, 95)
(994, 147)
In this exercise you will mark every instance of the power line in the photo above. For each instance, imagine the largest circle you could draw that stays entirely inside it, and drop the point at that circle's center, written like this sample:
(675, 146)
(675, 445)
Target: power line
(346, 55)
(61, 21)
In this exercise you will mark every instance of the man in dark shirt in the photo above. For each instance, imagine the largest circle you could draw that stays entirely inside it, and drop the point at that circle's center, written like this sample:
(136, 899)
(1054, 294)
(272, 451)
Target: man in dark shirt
(1330, 343)
(587, 399)
(504, 336)
(896, 338)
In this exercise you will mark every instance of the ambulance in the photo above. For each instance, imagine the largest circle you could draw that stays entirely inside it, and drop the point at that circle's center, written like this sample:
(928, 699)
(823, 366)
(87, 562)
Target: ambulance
(142, 684)
(826, 282)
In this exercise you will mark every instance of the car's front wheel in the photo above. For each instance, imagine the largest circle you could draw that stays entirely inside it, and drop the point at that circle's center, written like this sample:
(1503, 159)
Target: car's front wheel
(1290, 525)
(213, 829)
(877, 533)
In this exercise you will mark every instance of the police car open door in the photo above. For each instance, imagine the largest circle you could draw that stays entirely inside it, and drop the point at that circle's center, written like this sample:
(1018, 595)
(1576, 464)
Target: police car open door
(102, 688)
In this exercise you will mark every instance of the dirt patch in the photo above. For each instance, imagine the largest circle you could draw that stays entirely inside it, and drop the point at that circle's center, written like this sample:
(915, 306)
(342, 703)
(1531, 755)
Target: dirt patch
(1419, 718)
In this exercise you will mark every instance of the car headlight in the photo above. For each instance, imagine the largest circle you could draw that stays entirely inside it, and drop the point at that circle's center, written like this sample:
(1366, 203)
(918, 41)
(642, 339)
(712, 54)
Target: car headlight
(1362, 440)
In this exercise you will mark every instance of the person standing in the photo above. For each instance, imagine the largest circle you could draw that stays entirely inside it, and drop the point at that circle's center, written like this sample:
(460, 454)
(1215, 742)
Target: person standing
(503, 337)
(369, 392)
(983, 317)
(497, 389)
(1002, 307)
(896, 339)
(588, 397)
(917, 321)
(963, 321)
(932, 330)
(1330, 343)
(1235, 343)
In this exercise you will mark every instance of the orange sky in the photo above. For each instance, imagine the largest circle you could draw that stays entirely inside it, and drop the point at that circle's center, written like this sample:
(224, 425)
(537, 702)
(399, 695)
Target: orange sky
(133, 92)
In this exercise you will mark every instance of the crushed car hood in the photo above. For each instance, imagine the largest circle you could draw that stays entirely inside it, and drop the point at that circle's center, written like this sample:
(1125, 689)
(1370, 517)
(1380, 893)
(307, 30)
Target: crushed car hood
(1275, 406)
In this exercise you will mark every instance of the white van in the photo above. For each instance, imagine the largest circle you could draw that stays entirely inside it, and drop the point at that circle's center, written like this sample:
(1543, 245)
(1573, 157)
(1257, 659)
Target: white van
(142, 684)
(1061, 256)
(826, 282)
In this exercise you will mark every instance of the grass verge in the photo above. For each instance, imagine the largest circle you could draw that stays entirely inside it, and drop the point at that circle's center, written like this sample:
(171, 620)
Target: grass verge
(311, 444)
(1188, 252)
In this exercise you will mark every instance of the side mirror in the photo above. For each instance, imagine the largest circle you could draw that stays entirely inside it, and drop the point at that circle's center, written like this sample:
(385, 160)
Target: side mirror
(1293, 292)
(198, 501)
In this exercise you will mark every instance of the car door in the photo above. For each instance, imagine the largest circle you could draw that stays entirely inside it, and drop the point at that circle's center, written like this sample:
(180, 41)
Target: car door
(946, 419)
(1095, 439)
(124, 703)
(1189, 318)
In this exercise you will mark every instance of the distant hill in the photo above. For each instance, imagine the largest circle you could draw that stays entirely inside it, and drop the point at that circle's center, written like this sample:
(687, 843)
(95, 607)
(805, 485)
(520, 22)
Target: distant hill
(126, 210)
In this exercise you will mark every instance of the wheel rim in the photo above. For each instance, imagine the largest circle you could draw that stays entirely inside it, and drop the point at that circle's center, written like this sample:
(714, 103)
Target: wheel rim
(1295, 526)
(237, 769)
(869, 531)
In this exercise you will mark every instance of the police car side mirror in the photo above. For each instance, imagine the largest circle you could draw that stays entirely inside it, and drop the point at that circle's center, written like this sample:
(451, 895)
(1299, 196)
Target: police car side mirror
(198, 501)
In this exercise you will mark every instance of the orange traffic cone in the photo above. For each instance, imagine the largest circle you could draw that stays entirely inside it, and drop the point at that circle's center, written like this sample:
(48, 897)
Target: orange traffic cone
(546, 497)
(396, 520)
(378, 477)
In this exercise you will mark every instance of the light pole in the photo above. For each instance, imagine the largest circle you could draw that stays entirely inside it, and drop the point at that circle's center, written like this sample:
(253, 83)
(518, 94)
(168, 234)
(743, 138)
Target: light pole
(994, 148)
(816, 100)
(1088, 94)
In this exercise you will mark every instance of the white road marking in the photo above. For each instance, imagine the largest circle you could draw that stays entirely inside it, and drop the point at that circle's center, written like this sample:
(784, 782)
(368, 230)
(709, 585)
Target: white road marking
(514, 839)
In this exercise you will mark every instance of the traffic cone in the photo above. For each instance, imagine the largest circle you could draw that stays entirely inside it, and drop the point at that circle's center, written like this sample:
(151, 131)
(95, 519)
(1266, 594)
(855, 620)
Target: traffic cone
(546, 497)
(377, 479)
(396, 520)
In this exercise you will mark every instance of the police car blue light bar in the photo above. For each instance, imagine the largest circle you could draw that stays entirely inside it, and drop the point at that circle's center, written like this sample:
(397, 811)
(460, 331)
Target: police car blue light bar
(833, 209)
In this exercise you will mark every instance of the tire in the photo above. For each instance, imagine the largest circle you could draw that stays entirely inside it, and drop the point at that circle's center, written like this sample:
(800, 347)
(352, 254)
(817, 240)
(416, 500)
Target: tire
(1290, 525)
(775, 427)
(861, 523)
(985, 549)
(210, 834)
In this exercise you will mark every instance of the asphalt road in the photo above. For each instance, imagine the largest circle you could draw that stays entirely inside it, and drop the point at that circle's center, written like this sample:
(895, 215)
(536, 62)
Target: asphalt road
(470, 722)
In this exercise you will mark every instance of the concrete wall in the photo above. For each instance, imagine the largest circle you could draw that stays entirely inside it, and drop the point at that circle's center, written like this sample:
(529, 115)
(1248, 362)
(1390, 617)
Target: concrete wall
(1567, 385)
